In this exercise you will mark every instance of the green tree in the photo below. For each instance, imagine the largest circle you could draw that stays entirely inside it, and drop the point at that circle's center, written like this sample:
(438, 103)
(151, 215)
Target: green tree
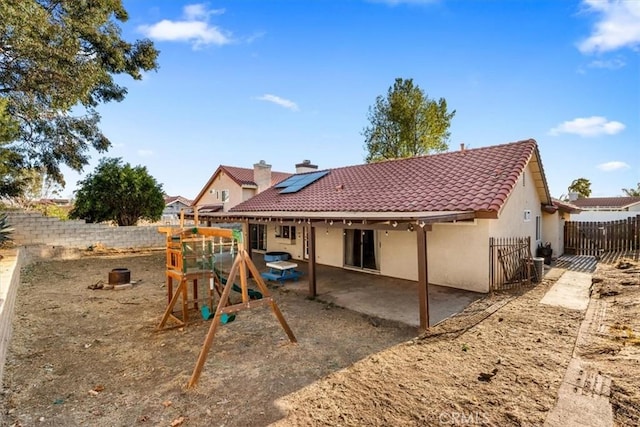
(632, 192)
(119, 193)
(582, 186)
(406, 123)
(12, 181)
(58, 59)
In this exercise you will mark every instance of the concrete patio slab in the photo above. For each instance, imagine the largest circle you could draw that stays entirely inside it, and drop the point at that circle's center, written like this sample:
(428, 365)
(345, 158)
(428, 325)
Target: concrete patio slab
(571, 291)
(380, 296)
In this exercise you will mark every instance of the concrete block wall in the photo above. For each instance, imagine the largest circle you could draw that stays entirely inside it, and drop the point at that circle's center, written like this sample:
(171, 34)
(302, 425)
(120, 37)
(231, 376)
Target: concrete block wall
(32, 228)
(10, 266)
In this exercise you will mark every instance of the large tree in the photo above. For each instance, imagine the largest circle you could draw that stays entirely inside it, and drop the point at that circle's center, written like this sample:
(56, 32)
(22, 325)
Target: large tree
(632, 192)
(120, 193)
(406, 123)
(581, 186)
(58, 59)
(12, 181)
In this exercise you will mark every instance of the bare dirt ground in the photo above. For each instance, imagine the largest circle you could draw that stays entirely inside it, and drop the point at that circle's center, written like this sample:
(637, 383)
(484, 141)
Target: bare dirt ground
(614, 344)
(93, 357)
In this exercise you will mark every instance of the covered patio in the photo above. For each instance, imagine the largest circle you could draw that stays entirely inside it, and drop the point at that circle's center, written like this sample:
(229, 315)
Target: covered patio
(375, 295)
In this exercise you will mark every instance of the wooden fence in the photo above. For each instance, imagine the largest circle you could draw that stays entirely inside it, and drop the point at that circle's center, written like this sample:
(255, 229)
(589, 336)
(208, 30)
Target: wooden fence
(511, 263)
(600, 238)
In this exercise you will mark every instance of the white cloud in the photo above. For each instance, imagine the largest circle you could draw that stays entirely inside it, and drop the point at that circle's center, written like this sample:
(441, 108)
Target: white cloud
(279, 101)
(145, 153)
(611, 64)
(194, 28)
(613, 166)
(618, 25)
(193, 12)
(588, 126)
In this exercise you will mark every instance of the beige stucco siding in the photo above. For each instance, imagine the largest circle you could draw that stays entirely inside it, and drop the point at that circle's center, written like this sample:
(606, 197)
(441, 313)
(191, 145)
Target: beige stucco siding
(458, 255)
(398, 254)
(553, 231)
(213, 193)
(329, 246)
(292, 246)
(511, 221)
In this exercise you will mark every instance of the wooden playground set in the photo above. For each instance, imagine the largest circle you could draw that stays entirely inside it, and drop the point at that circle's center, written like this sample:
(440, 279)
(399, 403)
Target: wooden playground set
(193, 262)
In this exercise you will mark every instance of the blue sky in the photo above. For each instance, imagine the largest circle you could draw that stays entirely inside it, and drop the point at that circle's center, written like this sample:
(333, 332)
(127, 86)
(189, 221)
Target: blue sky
(282, 81)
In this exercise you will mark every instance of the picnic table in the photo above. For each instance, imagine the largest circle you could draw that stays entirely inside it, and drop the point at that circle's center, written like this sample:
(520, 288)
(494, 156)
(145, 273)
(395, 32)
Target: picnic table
(279, 271)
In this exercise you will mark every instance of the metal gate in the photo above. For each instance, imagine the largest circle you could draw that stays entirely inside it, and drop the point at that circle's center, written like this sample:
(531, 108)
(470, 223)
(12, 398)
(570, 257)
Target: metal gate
(511, 263)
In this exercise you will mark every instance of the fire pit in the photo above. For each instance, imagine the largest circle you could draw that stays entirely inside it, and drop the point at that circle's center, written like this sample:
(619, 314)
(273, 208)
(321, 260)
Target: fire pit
(119, 276)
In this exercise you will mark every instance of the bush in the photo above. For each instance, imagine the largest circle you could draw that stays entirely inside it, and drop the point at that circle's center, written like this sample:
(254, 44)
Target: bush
(5, 230)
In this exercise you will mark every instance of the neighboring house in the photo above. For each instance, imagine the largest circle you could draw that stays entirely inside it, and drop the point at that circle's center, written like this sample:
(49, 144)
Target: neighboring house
(553, 220)
(172, 208)
(231, 185)
(408, 218)
(606, 208)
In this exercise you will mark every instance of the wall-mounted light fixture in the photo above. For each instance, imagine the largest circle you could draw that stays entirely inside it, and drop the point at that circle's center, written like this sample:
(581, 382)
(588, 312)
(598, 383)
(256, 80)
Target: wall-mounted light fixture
(410, 227)
(330, 222)
(349, 223)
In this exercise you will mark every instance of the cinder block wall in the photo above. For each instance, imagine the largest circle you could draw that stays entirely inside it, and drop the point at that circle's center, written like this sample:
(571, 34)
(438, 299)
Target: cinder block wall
(9, 280)
(32, 228)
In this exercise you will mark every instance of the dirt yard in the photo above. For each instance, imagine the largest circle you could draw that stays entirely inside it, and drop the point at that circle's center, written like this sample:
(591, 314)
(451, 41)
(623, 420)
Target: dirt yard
(93, 358)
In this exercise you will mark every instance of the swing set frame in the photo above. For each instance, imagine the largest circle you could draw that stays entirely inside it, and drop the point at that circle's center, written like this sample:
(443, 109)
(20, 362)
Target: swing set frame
(243, 267)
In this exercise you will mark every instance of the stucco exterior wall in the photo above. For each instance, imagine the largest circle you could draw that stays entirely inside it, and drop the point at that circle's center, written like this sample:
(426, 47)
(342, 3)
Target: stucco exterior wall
(330, 246)
(553, 231)
(292, 246)
(458, 255)
(512, 222)
(398, 253)
(213, 194)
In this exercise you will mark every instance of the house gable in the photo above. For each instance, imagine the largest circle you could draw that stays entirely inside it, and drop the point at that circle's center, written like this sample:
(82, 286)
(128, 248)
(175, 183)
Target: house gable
(238, 182)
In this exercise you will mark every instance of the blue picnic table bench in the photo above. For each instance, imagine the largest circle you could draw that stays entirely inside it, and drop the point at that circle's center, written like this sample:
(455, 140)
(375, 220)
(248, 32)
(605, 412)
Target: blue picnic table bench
(279, 271)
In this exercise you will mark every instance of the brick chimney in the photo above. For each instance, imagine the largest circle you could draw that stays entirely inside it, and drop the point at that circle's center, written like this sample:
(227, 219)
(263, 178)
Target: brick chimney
(262, 175)
(306, 166)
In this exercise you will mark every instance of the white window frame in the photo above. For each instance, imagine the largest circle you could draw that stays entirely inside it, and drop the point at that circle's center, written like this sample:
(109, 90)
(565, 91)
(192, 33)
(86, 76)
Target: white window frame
(286, 232)
(225, 196)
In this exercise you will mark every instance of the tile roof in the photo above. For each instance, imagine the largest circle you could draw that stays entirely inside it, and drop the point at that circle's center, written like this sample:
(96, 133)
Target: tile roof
(478, 179)
(606, 202)
(244, 176)
(171, 199)
(565, 206)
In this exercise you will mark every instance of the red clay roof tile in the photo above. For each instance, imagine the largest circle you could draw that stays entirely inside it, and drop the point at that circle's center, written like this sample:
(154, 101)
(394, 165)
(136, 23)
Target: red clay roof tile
(606, 202)
(478, 179)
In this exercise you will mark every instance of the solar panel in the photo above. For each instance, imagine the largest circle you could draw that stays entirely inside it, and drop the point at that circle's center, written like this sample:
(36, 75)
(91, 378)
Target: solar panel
(296, 183)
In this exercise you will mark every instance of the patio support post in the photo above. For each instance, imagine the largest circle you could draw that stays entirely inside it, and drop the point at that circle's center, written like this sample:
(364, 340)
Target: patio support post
(246, 236)
(312, 260)
(423, 278)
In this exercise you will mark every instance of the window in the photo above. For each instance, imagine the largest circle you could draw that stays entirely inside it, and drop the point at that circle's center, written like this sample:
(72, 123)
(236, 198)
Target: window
(225, 196)
(258, 237)
(527, 215)
(538, 228)
(286, 232)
